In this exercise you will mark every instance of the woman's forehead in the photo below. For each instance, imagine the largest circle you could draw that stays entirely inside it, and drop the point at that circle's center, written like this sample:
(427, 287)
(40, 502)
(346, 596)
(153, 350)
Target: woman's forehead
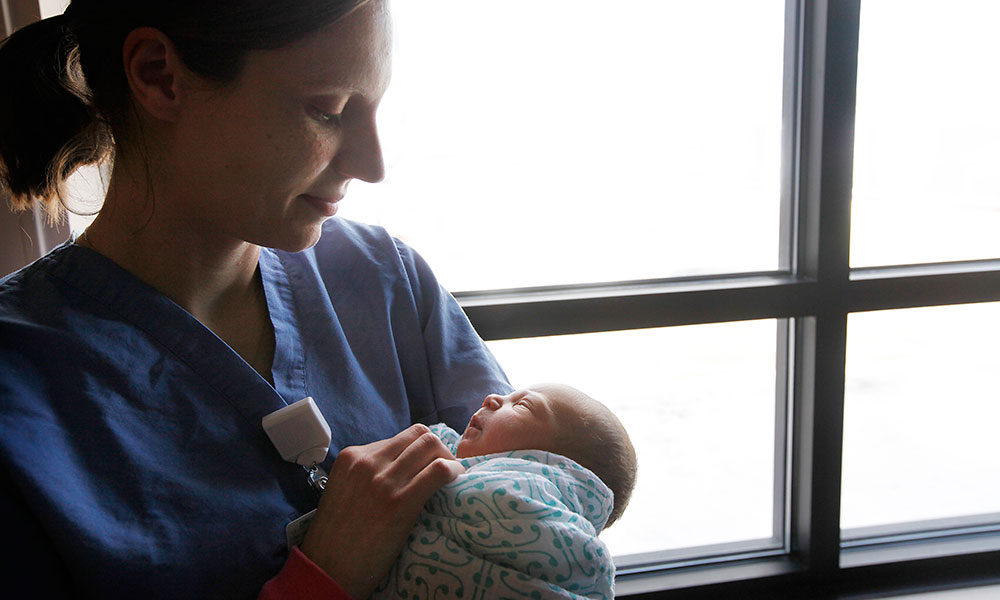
(353, 53)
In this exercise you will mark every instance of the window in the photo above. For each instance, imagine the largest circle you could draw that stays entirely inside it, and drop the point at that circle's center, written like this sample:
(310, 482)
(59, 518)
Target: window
(916, 451)
(699, 404)
(928, 137)
(600, 139)
(718, 220)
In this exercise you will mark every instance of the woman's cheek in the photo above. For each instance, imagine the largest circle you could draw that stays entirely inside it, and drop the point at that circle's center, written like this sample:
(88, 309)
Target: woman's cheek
(316, 152)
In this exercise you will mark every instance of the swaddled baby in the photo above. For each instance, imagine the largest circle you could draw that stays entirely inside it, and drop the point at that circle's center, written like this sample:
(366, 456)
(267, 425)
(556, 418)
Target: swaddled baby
(547, 469)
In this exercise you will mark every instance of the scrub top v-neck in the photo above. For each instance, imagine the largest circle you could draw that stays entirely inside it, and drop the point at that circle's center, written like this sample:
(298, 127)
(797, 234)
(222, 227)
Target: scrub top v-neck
(133, 459)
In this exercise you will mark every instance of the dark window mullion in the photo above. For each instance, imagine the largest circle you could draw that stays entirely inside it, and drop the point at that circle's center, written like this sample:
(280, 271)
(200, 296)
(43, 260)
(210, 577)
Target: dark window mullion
(639, 307)
(826, 132)
(790, 95)
(924, 285)
(783, 434)
(828, 84)
(785, 343)
(817, 441)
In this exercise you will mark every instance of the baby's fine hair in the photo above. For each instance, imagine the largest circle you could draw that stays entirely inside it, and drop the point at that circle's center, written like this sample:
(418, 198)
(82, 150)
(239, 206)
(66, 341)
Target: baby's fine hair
(599, 442)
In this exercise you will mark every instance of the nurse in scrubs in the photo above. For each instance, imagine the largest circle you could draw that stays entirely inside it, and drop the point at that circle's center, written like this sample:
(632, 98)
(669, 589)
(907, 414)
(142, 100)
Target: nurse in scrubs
(214, 288)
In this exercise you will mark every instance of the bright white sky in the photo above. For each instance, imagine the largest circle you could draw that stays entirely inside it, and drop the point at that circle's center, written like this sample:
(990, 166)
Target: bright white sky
(536, 143)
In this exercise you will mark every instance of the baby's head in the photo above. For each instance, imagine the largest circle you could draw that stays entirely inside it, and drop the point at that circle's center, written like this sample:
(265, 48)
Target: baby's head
(560, 419)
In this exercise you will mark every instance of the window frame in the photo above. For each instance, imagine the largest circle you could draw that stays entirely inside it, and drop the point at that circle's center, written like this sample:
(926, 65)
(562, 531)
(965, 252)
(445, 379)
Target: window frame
(811, 295)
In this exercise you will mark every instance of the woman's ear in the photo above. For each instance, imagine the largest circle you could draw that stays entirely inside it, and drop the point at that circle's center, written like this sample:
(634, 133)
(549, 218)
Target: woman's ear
(153, 69)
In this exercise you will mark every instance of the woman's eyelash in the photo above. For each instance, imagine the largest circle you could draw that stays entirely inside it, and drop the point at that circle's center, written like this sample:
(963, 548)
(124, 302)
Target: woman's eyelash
(335, 120)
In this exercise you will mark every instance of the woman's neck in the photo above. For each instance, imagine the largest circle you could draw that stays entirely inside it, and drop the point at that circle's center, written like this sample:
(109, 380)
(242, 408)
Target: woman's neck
(211, 275)
(203, 273)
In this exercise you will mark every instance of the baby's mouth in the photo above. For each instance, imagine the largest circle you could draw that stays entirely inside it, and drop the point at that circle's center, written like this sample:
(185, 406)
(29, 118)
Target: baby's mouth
(474, 427)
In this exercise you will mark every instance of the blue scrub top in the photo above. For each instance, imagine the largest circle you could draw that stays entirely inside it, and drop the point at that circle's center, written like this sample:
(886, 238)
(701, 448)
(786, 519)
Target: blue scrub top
(132, 459)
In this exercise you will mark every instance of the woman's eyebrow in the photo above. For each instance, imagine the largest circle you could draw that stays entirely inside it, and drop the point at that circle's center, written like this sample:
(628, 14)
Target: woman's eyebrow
(322, 85)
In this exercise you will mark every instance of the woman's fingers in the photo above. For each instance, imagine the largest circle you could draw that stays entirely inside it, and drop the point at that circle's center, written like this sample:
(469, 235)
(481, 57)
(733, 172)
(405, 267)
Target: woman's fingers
(412, 454)
(372, 500)
(395, 445)
(421, 451)
(430, 479)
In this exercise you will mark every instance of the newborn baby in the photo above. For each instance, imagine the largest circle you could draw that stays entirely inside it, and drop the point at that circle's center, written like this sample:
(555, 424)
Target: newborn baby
(547, 468)
(562, 420)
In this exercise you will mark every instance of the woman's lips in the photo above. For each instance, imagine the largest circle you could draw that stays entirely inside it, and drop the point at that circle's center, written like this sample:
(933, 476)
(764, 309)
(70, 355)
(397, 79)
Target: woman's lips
(326, 206)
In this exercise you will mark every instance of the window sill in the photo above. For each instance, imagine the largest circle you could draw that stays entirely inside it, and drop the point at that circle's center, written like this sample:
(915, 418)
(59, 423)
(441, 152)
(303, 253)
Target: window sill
(919, 550)
(688, 578)
(884, 568)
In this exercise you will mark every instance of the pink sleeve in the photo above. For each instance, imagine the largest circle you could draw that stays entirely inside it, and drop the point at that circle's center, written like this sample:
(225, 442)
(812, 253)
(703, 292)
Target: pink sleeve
(301, 579)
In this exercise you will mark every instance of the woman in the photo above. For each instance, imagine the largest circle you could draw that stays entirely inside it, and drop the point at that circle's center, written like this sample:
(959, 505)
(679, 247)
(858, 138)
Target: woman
(213, 288)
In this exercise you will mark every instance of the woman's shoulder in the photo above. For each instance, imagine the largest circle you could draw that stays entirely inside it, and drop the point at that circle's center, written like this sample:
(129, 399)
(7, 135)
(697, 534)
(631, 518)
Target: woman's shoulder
(29, 311)
(60, 299)
(34, 285)
(67, 275)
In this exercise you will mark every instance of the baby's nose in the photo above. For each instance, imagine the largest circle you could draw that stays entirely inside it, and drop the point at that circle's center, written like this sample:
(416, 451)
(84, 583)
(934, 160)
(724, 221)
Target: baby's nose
(493, 402)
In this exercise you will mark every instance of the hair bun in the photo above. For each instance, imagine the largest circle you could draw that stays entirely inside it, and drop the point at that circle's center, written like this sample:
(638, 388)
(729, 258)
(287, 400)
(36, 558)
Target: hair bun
(45, 112)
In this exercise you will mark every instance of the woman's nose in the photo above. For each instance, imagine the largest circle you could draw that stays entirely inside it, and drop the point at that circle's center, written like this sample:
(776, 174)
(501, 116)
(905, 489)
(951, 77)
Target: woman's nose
(360, 154)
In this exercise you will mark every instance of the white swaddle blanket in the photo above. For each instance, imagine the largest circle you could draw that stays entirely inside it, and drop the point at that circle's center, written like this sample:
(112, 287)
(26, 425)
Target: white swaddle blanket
(519, 524)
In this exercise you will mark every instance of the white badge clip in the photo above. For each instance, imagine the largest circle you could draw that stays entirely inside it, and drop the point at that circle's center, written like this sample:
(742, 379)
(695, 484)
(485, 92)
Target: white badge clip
(302, 436)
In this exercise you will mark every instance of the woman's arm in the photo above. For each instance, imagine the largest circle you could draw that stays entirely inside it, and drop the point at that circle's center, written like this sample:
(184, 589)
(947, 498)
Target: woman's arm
(462, 369)
(370, 505)
(302, 579)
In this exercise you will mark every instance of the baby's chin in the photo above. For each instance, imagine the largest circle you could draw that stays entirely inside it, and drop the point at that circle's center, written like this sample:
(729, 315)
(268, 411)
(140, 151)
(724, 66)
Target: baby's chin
(467, 444)
(463, 451)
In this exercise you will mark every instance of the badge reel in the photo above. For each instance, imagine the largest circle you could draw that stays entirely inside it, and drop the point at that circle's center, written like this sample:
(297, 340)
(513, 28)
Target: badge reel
(302, 436)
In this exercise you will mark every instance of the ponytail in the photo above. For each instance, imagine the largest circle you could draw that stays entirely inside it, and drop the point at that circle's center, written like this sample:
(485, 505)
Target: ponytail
(48, 124)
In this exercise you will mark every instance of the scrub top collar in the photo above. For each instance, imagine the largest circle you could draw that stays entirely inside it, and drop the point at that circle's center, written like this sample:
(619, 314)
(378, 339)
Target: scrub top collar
(179, 333)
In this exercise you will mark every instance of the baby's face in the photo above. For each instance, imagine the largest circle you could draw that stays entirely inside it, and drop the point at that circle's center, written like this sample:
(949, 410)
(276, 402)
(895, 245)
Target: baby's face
(522, 420)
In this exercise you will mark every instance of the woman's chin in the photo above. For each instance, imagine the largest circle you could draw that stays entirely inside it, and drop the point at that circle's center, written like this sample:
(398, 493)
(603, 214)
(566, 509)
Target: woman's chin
(294, 241)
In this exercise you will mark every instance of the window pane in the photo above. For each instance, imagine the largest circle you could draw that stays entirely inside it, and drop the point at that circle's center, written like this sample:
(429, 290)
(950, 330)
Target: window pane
(921, 412)
(698, 402)
(537, 143)
(927, 143)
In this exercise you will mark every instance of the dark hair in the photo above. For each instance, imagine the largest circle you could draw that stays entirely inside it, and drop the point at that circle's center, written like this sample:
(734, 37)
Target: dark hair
(65, 101)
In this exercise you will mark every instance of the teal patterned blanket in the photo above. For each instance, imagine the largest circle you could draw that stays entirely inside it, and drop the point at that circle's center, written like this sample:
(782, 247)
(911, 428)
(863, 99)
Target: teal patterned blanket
(519, 524)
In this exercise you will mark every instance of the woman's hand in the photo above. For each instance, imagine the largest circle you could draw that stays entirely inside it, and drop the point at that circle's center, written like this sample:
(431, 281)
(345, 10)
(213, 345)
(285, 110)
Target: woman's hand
(374, 495)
